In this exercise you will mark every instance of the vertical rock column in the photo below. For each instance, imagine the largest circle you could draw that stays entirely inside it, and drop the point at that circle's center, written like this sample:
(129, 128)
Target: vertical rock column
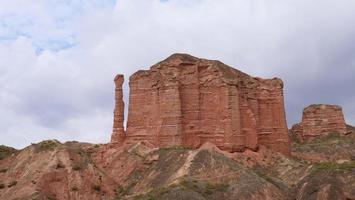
(272, 119)
(118, 134)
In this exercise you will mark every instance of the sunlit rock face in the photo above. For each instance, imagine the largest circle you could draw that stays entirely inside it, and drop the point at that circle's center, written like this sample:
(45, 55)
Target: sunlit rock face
(187, 101)
(320, 120)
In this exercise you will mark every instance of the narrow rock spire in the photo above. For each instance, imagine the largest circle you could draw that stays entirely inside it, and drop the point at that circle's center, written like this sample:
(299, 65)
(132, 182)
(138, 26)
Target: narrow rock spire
(118, 133)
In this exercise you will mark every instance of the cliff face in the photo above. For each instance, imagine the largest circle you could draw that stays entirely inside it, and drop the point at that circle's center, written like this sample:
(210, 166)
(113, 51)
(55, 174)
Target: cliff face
(320, 120)
(186, 101)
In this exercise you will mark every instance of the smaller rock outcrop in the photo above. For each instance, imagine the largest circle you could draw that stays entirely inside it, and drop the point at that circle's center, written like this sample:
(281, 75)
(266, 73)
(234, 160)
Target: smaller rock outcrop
(319, 120)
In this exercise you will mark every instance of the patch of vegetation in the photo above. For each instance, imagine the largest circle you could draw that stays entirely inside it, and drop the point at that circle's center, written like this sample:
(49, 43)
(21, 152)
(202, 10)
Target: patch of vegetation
(327, 145)
(205, 188)
(156, 194)
(193, 185)
(210, 161)
(3, 170)
(186, 190)
(6, 151)
(145, 197)
(215, 187)
(120, 192)
(332, 166)
(79, 155)
(168, 163)
(12, 183)
(2, 186)
(270, 176)
(331, 139)
(325, 175)
(174, 148)
(47, 145)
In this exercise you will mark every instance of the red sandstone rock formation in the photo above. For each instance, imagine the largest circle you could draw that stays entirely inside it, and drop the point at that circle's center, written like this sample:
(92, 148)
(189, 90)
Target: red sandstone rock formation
(118, 128)
(186, 101)
(320, 120)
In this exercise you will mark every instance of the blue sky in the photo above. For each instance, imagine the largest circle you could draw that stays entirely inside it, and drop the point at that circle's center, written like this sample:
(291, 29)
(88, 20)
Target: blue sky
(59, 57)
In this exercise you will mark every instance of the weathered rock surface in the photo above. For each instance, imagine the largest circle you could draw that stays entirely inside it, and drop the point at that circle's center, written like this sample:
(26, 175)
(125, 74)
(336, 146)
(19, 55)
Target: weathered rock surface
(328, 181)
(118, 128)
(186, 101)
(319, 121)
(51, 170)
(332, 148)
(73, 171)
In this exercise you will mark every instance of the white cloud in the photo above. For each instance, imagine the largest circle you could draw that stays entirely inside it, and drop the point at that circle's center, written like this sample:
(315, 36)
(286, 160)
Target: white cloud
(58, 58)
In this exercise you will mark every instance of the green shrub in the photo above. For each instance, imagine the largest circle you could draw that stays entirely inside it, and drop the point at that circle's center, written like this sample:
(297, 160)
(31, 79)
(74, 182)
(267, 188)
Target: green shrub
(2, 186)
(205, 188)
(331, 166)
(6, 151)
(3, 170)
(173, 148)
(47, 145)
(211, 188)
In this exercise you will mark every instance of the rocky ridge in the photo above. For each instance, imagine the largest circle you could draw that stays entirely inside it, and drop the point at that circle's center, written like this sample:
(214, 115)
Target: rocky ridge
(51, 170)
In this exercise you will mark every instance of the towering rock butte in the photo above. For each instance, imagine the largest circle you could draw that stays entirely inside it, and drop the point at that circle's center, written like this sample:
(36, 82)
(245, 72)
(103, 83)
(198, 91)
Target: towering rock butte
(320, 120)
(187, 101)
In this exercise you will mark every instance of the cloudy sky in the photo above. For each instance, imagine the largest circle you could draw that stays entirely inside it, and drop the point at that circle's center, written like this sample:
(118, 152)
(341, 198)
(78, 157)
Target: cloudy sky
(58, 58)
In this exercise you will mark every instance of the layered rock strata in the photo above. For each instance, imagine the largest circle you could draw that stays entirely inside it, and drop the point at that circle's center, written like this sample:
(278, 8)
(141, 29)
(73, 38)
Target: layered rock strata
(118, 133)
(186, 101)
(320, 120)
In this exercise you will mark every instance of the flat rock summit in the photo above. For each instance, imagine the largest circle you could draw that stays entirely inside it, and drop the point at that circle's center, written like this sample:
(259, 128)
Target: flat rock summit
(197, 129)
(320, 120)
(187, 101)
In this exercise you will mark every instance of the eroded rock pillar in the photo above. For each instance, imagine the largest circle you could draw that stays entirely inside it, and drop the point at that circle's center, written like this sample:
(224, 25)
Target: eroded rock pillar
(118, 128)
